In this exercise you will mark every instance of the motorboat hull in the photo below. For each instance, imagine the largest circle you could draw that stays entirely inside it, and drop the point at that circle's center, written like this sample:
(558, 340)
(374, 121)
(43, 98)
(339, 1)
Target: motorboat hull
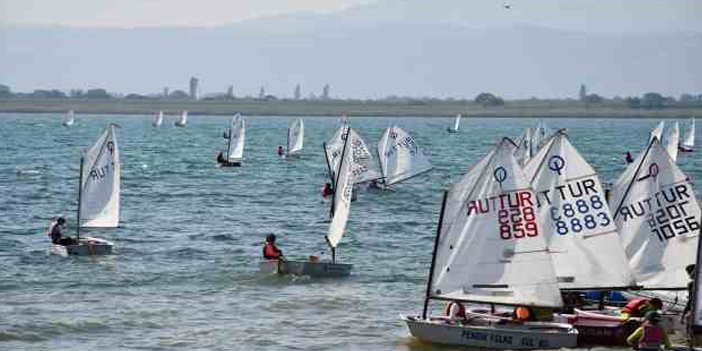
(309, 268)
(88, 246)
(492, 335)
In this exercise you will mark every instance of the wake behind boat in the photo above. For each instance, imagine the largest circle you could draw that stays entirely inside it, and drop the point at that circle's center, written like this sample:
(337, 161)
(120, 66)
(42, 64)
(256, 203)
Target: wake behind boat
(98, 196)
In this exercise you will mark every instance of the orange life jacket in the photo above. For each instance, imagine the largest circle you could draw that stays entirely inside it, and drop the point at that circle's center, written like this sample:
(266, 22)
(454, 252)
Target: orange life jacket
(271, 252)
(523, 313)
(653, 336)
(633, 307)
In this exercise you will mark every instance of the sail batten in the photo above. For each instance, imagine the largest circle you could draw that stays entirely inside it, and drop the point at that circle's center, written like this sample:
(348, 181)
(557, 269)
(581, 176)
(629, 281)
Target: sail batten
(100, 183)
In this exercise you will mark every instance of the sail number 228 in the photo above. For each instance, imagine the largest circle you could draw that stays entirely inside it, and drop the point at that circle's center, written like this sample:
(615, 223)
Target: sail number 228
(517, 222)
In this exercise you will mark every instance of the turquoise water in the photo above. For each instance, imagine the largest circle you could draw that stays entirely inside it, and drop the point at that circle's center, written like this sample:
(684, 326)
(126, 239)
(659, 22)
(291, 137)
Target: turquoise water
(184, 276)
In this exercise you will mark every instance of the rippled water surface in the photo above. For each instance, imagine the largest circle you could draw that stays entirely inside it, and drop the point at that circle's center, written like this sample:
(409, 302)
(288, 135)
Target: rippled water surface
(184, 274)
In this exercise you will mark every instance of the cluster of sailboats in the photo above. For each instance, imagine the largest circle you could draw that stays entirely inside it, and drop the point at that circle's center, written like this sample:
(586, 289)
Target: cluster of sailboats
(528, 222)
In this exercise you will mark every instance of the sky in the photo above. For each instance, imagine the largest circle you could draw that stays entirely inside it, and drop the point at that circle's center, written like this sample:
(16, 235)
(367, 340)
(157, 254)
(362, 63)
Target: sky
(151, 13)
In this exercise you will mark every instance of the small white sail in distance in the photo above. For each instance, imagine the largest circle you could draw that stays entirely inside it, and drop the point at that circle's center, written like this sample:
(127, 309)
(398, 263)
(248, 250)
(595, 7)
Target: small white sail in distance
(400, 157)
(100, 183)
(158, 120)
(237, 137)
(576, 221)
(689, 142)
(524, 151)
(658, 217)
(183, 119)
(296, 136)
(343, 190)
(457, 123)
(657, 132)
(491, 247)
(672, 139)
(70, 119)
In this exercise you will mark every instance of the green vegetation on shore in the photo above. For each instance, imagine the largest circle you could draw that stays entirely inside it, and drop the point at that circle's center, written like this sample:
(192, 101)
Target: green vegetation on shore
(419, 108)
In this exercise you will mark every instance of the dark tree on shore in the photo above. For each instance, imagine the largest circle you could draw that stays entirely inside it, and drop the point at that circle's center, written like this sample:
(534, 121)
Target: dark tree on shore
(487, 99)
(652, 100)
(98, 93)
(5, 91)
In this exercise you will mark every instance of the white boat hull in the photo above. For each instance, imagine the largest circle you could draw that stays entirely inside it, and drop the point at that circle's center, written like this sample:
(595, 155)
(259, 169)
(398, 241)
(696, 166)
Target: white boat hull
(491, 335)
(88, 246)
(309, 268)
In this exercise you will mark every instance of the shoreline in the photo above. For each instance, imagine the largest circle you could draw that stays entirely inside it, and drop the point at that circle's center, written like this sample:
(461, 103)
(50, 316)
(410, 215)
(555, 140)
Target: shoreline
(433, 109)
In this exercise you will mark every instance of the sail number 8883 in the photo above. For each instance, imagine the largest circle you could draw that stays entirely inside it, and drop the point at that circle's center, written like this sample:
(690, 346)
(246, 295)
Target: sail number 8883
(517, 223)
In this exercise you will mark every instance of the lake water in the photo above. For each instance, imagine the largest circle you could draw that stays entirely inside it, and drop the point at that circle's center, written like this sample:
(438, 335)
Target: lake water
(184, 275)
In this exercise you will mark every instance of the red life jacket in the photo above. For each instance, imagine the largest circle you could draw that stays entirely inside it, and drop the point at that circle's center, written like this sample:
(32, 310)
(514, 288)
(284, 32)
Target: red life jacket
(633, 307)
(327, 191)
(653, 336)
(461, 309)
(270, 252)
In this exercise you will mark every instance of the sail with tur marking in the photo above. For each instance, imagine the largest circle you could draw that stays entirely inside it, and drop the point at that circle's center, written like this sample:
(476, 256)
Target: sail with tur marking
(658, 219)
(400, 157)
(237, 137)
(100, 182)
(576, 220)
(343, 190)
(491, 247)
(296, 136)
(362, 165)
(672, 139)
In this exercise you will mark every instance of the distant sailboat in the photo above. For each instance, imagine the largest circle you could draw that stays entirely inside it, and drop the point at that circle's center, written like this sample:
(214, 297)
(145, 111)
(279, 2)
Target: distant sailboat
(296, 137)
(657, 132)
(236, 138)
(688, 144)
(98, 196)
(70, 119)
(400, 158)
(342, 206)
(183, 119)
(158, 120)
(672, 141)
(456, 124)
(364, 169)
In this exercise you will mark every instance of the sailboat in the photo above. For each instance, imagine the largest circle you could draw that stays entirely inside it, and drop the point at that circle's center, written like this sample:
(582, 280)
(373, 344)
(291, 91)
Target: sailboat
(490, 248)
(688, 143)
(657, 132)
(672, 140)
(525, 150)
(296, 137)
(363, 167)
(343, 190)
(400, 158)
(98, 196)
(183, 119)
(158, 120)
(70, 119)
(456, 124)
(235, 143)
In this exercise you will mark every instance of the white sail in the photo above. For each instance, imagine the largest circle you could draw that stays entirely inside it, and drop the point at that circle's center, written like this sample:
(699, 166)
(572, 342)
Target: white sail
(296, 136)
(158, 120)
(491, 247)
(343, 191)
(237, 137)
(540, 136)
(399, 156)
(100, 183)
(70, 119)
(524, 151)
(672, 139)
(657, 132)
(658, 219)
(689, 142)
(183, 119)
(363, 167)
(458, 122)
(576, 220)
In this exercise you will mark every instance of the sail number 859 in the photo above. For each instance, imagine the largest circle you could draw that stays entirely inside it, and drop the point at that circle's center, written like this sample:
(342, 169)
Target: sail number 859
(517, 223)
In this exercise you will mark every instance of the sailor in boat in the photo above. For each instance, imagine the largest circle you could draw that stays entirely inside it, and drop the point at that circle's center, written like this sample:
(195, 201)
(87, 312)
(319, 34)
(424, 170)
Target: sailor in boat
(639, 307)
(456, 312)
(54, 233)
(373, 184)
(280, 151)
(690, 269)
(270, 251)
(327, 190)
(650, 335)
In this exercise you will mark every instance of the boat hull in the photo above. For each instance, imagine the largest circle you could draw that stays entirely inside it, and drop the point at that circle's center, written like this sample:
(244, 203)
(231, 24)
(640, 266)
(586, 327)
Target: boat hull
(602, 328)
(312, 269)
(451, 130)
(491, 336)
(88, 246)
(178, 124)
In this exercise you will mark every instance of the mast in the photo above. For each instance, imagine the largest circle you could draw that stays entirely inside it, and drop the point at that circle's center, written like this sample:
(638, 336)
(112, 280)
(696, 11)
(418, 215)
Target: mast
(433, 257)
(80, 195)
(631, 183)
(336, 183)
(288, 144)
